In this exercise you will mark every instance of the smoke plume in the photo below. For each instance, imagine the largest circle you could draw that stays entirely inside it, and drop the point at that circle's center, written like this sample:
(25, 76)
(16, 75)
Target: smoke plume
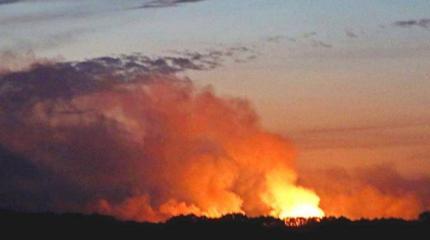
(126, 137)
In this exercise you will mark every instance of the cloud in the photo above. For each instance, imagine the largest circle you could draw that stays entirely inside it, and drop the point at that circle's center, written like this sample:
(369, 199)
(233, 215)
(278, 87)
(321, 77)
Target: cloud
(351, 34)
(177, 61)
(8, 1)
(309, 34)
(166, 3)
(279, 38)
(423, 23)
(21, 180)
(309, 38)
(68, 78)
(319, 43)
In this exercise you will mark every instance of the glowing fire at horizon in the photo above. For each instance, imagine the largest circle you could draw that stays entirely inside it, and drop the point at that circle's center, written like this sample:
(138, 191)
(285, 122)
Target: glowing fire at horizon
(290, 201)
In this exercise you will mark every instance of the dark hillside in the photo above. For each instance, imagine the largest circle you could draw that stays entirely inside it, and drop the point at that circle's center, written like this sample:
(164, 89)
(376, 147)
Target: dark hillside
(78, 226)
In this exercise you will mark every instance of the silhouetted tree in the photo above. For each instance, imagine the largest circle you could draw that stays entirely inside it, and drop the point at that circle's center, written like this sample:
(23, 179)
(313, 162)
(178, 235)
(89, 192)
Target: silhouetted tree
(233, 226)
(425, 217)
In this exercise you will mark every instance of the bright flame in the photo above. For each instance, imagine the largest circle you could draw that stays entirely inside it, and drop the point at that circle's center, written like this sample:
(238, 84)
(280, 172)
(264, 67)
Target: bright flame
(302, 210)
(290, 201)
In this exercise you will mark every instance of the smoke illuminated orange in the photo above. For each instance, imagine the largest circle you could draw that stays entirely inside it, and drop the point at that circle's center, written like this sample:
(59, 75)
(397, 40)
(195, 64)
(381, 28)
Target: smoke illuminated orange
(157, 147)
(171, 150)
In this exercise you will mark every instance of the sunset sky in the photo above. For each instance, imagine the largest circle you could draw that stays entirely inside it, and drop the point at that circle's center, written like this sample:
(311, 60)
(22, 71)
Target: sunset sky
(347, 81)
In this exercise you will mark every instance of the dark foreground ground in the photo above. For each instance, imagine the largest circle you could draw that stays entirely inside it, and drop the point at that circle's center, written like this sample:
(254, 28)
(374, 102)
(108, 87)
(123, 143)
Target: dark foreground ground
(75, 226)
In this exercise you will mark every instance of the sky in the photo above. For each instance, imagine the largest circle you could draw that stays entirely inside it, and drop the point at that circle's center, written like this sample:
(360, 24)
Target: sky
(342, 72)
(348, 82)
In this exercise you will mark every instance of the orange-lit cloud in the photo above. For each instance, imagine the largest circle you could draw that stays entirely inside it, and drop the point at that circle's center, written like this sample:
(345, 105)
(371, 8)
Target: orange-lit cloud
(145, 146)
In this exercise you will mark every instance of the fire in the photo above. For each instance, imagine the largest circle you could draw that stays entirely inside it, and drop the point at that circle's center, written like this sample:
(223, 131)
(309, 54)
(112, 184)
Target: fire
(290, 201)
(305, 210)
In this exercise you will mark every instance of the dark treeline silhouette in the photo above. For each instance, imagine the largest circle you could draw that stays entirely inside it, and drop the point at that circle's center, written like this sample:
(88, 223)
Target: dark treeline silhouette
(17, 225)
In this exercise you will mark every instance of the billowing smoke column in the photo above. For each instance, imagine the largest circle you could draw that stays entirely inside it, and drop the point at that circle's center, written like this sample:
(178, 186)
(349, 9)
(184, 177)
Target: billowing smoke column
(125, 137)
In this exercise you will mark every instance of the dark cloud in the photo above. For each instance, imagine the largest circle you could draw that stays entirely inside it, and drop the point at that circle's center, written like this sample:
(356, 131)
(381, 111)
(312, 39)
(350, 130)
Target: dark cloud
(310, 38)
(166, 3)
(21, 179)
(215, 57)
(309, 34)
(8, 1)
(70, 78)
(319, 43)
(423, 23)
(275, 39)
(279, 38)
(351, 34)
